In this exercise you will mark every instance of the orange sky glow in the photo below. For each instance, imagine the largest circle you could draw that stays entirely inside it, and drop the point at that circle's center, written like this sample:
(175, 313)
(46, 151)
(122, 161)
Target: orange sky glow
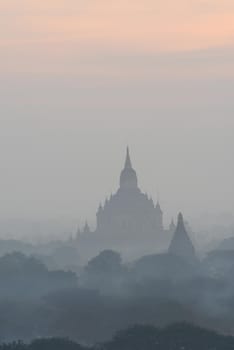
(43, 36)
(80, 79)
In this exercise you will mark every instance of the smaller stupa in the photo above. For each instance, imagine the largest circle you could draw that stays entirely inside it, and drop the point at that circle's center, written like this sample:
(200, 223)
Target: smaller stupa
(181, 244)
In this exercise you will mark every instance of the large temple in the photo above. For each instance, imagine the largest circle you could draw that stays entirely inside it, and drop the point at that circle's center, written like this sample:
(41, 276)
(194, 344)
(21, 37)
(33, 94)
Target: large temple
(129, 221)
(129, 211)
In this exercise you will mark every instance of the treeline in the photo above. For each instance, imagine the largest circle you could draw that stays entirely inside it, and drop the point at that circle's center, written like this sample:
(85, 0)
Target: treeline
(109, 295)
(175, 337)
(24, 277)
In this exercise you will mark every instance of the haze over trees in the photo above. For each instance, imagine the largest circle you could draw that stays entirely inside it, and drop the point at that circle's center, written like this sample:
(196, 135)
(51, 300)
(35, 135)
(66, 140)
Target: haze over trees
(116, 175)
(57, 293)
(175, 337)
(108, 294)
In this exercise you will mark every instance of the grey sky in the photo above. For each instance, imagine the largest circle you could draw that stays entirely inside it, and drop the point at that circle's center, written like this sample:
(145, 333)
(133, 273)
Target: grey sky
(76, 88)
(63, 143)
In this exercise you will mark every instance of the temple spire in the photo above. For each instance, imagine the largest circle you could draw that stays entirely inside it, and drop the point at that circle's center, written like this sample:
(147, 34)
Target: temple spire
(181, 244)
(128, 164)
(180, 223)
(128, 177)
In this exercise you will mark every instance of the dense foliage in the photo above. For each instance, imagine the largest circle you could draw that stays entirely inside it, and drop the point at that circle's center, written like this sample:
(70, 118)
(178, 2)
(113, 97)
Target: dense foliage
(175, 337)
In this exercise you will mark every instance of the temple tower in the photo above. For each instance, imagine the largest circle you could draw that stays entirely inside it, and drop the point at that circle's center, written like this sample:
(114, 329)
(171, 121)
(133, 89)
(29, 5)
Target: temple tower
(181, 245)
(128, 177)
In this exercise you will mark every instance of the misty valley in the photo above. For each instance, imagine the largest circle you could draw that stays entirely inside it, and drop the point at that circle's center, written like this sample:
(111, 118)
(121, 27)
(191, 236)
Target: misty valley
(129, 284)
(92, 302)
(116, 175)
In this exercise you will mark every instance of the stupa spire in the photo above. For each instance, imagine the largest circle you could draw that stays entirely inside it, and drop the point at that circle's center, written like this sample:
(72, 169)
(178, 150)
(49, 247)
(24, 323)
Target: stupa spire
(128, 177)
(128, 163)
(181, 244)
(180, 224)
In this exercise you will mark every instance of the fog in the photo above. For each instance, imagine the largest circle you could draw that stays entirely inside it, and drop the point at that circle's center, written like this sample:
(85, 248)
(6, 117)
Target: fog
(116, 174)
(106, 295)
(77, 88)
(63, 143)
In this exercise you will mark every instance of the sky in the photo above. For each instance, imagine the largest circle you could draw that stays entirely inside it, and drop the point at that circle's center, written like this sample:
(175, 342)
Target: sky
(81, 80)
